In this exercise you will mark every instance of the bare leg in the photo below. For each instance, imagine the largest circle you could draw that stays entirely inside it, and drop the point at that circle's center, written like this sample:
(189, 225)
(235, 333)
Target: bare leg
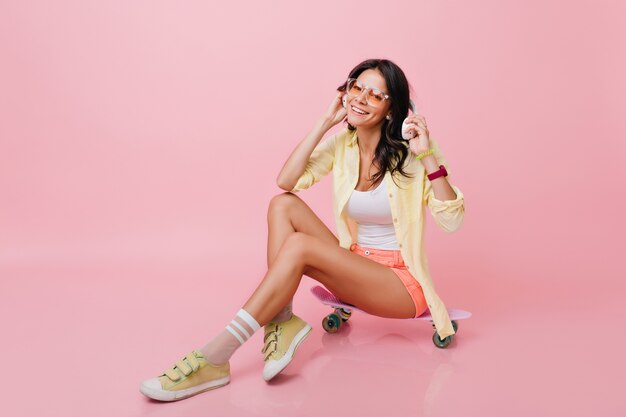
(299, 243)
(287, 214)
(359, 281)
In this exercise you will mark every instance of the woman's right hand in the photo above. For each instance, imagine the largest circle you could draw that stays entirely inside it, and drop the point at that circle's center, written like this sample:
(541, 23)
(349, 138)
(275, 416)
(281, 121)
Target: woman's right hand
(335, 112)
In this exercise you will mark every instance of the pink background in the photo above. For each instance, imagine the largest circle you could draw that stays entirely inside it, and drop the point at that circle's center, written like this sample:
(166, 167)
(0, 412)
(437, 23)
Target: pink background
(139, 146)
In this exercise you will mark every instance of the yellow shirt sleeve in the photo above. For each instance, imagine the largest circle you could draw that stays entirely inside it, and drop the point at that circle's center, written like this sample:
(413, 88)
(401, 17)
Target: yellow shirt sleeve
(448, 214)
(319, 164)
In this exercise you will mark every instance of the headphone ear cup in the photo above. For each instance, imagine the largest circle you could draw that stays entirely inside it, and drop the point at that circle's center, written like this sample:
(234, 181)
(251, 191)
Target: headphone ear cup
(344, 100)
(406, 133)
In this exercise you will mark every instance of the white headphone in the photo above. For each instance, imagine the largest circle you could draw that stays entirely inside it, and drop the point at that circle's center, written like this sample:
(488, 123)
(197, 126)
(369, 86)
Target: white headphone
(409, 134)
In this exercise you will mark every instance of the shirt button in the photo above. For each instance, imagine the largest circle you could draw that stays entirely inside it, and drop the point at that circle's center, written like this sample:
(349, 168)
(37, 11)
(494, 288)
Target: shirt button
(395, 219)
(390, 195)
(408, 267)
(400, 245)
(367, 252)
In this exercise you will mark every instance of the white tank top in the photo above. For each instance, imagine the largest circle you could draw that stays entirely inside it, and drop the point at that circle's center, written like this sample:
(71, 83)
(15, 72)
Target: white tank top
(371, 211)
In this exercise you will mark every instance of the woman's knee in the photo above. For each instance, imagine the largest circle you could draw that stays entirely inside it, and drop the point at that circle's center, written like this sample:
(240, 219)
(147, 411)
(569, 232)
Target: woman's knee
(281, 203)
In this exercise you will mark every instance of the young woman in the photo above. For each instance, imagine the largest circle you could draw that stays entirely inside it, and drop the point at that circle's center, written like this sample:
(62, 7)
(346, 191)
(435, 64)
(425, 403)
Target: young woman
(381, 183)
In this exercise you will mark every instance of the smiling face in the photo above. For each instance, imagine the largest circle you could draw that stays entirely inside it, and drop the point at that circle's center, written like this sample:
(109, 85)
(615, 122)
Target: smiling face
(375, 114)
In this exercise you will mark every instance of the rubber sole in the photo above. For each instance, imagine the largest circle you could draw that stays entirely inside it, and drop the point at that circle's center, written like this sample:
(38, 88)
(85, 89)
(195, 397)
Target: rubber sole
(164, 395)
(273, 368)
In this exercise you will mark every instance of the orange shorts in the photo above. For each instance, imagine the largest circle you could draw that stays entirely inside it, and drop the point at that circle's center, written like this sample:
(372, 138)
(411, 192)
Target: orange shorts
(393, 259)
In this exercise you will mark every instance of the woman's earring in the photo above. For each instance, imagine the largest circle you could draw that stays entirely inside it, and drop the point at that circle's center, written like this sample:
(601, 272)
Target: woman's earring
(388, 117)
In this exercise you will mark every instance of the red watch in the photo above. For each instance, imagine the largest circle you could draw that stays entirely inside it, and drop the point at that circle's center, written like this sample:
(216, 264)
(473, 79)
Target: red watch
(441, 172)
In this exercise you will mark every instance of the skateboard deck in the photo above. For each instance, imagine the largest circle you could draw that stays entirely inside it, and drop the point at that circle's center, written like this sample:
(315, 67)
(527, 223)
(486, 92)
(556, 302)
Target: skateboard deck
(327, 298)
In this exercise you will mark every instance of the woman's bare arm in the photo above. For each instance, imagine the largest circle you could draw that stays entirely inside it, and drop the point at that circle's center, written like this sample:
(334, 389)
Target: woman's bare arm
(296, 163)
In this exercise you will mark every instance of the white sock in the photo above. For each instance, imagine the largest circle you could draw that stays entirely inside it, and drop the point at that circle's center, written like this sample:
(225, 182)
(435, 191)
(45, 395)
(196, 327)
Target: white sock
(241, 328)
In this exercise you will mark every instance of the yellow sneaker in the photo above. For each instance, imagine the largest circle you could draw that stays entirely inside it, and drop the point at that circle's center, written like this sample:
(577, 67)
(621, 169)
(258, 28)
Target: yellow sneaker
(281, 341)
(191, 375)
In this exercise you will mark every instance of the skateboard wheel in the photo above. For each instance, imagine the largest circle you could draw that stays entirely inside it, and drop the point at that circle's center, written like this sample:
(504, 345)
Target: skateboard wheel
(441, 343)
(331, 323)
(455, 326)
(343, 314)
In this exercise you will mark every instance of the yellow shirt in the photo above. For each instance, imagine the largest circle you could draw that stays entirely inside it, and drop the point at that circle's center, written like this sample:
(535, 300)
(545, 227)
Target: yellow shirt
(340, 153)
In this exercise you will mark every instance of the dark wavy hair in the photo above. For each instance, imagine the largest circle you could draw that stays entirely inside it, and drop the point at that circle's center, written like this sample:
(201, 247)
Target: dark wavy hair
(391, 152)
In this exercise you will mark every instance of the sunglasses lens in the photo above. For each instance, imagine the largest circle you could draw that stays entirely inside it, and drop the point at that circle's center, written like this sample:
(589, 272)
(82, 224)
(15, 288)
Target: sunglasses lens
(374, 95)
(354, 88)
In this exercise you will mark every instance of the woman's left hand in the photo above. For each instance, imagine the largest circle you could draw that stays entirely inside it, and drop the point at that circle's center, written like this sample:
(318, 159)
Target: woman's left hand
(420, 143)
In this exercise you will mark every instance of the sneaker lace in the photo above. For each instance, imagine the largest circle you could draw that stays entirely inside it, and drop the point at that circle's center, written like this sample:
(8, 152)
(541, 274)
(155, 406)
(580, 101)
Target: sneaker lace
(271, 341)
(185, 366)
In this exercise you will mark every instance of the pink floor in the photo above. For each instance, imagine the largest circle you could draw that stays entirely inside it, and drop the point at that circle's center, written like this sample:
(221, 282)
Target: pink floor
(78, 340)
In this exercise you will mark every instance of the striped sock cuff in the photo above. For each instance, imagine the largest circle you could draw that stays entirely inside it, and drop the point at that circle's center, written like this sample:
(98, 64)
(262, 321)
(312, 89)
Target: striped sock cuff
(241, 329)
(245, 316)
(234, 333)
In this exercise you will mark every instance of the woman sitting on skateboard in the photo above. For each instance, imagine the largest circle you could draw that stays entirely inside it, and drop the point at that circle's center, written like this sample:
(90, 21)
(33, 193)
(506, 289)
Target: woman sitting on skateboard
(381, 184)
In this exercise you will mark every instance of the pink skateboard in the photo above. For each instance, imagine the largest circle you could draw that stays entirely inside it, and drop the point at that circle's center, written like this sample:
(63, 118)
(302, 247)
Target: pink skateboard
(343, 311)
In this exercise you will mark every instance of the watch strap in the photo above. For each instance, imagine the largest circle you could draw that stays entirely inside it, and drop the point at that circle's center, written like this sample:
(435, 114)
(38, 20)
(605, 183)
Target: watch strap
(441, 172)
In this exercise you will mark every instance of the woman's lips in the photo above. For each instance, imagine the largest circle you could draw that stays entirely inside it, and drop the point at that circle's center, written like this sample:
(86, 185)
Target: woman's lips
(357, 113)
